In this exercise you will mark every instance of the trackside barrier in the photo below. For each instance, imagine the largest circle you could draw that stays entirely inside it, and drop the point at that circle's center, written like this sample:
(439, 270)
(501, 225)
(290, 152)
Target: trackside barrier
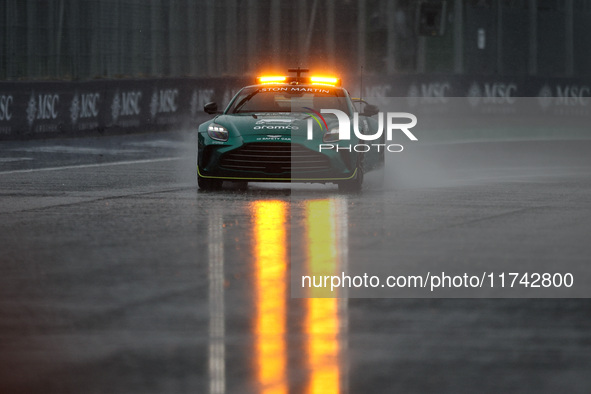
(57, 109)
(52, 109)
(484, 95)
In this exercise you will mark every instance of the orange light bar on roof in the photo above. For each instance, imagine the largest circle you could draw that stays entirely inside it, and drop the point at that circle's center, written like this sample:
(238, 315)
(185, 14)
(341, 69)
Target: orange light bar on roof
(272, 79)
(324, 80)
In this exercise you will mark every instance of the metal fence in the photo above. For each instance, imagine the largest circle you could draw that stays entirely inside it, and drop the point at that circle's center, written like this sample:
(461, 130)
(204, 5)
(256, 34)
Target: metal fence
(86, 39)
(72, 39)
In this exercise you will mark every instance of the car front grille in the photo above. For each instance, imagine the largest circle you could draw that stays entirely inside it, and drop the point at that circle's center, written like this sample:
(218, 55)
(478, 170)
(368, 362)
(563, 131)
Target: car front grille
(274, 158)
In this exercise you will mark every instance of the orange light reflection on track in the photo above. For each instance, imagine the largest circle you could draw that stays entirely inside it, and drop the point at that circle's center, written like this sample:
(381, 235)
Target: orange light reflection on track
(322, 323)
(270, 324)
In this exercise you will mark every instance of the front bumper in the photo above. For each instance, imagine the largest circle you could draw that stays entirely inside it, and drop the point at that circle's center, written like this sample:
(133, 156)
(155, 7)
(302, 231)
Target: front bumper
(274, 162)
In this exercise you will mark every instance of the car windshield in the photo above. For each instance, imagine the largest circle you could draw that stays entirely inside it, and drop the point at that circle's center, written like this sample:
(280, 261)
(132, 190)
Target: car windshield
(295, 98)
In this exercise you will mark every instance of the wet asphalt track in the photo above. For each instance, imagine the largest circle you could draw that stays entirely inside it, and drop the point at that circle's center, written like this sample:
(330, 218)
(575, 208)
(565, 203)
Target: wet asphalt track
(117, 276)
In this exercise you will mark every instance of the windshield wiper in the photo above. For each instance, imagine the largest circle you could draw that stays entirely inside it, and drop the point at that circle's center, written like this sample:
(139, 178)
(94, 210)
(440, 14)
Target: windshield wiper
(244, 100)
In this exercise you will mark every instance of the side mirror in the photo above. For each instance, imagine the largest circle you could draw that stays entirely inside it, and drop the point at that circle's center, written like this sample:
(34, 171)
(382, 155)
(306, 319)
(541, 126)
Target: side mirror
(370, 110)
(211, 108)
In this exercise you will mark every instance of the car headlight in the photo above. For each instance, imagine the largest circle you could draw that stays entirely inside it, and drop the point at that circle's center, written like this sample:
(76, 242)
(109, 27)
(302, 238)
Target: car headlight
(331, 135)
(217, 132)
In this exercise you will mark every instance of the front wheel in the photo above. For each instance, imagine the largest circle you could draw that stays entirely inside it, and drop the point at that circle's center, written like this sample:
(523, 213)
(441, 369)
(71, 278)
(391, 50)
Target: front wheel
(355, 184)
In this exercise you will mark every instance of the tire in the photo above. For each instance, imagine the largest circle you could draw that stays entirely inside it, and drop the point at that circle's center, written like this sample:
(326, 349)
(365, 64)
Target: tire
(207, 184)
(356, 184)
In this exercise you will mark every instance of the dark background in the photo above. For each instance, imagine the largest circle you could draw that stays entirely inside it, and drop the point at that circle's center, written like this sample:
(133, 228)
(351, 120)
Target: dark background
(83, 39)
(117, 276)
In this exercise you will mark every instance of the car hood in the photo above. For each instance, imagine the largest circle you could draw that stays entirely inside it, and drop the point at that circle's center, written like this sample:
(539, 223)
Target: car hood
(273, 123)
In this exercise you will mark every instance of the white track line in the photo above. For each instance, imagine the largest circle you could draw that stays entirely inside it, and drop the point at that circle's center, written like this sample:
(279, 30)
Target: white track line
(114, 163)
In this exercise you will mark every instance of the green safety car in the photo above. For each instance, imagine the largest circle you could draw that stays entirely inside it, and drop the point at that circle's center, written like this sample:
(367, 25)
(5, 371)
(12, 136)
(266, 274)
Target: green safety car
(275, 131)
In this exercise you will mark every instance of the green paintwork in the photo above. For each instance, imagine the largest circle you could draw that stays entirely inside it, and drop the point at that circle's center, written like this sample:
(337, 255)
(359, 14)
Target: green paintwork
(276, 127)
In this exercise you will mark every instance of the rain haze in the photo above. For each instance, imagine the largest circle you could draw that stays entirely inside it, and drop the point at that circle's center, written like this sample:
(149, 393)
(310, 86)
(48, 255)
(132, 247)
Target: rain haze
(158, 236)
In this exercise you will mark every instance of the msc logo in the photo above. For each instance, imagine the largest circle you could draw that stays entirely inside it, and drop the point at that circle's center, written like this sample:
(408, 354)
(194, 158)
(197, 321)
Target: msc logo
(493, 93)
(43, 107)
(428, 93)
(84, 106)
(5, 104)
(164, 101)
(564, 95)
(126, 104)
